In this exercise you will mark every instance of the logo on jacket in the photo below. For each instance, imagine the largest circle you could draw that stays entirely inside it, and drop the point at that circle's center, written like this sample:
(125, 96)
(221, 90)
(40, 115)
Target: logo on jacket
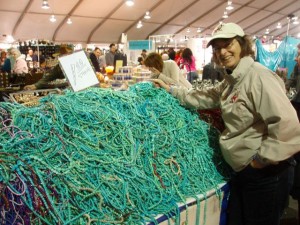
(235, 97)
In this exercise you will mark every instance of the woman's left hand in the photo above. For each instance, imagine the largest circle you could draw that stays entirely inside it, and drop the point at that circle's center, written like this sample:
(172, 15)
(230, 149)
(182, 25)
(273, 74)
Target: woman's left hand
(155, 72)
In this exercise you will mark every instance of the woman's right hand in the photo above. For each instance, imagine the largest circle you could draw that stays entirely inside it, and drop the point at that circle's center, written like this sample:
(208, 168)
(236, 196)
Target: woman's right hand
(29, 87)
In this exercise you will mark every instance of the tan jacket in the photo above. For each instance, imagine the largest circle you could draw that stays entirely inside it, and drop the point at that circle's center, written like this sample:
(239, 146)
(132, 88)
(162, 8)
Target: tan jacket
(260, 120)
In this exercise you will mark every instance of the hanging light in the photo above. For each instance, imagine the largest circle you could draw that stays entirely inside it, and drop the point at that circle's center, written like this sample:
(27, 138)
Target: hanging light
(129, 2)
(267, 31)
(139, 25)
(229, 6)
(188, 30)
(45, 4)
(199, 30)
(69, 21)
(147, 15)
(52, 19)
(295, 20)
(278, 25)
(225, 15)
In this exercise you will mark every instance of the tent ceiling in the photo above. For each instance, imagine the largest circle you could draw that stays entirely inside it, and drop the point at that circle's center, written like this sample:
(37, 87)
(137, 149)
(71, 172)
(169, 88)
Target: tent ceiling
(103, 21)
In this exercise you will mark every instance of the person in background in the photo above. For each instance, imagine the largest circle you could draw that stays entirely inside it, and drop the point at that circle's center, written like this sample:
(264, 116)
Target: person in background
(298, 49)
(120, 56)
(29, 55)
(140, 61)
(212, 72)
(165, 56)
(20, 65)
(262, 132)
(294, 81)
(102, 62)
(178, 56)
(110, 56)
(35, 57)
(53, 74)
(95, 59)
(167, 71)
(144, 54)
(5, 63)
(189, 61)
(171, 53)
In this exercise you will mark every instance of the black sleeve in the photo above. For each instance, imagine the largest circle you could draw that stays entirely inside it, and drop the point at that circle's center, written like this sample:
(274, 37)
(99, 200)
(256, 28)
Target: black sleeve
(95, 62)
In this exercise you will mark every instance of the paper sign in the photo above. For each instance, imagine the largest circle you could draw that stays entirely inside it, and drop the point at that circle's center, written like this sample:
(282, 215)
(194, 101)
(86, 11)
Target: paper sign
(119, 64)
(78, 70)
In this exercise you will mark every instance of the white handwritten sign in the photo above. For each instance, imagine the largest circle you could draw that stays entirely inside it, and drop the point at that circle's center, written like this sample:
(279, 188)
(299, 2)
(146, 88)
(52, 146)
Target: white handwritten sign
(78, 70)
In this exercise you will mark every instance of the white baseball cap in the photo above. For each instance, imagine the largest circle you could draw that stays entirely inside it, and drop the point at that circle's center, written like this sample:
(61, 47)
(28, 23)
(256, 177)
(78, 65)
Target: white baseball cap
(226, 30)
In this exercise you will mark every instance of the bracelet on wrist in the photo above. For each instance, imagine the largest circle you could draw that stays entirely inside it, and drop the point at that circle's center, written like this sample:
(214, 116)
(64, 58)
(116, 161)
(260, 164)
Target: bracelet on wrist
(171, 89)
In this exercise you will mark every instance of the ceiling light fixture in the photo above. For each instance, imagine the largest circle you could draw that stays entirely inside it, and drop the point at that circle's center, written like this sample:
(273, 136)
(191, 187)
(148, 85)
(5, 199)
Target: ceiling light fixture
(267, 31)
(225, 15)
(52, 19)
(139, 25)
(147, 15)
(278, 25)
(295, 20)
(69, 21)
(45, 4)
(188, 30)
(199, 30)
(129, 2)
(229, 6)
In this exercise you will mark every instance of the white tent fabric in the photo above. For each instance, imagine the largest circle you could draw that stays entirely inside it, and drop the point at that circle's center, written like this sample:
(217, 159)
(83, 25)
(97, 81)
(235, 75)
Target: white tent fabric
(104, 21)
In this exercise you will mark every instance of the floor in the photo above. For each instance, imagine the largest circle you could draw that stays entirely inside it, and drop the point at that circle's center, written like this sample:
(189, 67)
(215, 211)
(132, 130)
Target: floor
(290, 216)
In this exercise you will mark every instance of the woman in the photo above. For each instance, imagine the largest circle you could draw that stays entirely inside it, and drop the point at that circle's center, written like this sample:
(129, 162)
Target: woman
(262, 130)
(20, 66)
(189, 61)
(167, 70)
(5, 63)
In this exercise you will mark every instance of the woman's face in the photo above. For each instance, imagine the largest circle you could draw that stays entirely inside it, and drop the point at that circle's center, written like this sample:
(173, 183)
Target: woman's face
(228, 52)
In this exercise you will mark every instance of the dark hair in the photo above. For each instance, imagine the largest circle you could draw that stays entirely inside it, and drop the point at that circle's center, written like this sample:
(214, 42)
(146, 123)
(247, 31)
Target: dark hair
(111, 45)
(246, 48)
(154, 60)
(140, 60)
(187, 55)
(96, 49)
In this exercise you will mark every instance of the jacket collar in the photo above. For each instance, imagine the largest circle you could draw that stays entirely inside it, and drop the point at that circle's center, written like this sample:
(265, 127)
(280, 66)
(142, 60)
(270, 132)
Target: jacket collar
(240, 70)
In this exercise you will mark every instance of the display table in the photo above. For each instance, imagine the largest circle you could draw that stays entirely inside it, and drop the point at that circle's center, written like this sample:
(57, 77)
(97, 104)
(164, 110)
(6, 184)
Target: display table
(212, 210)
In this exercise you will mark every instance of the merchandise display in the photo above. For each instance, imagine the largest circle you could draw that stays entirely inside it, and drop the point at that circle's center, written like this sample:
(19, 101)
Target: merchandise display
(141, 75)
(101, 156)
(128, 75)
(31, 98)
(123, 76)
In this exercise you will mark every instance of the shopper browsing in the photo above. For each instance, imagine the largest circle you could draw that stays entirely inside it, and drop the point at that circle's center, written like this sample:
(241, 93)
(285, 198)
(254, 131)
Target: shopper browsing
(53, 74)
(262, 129)
(167, 70)
(20, 65)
